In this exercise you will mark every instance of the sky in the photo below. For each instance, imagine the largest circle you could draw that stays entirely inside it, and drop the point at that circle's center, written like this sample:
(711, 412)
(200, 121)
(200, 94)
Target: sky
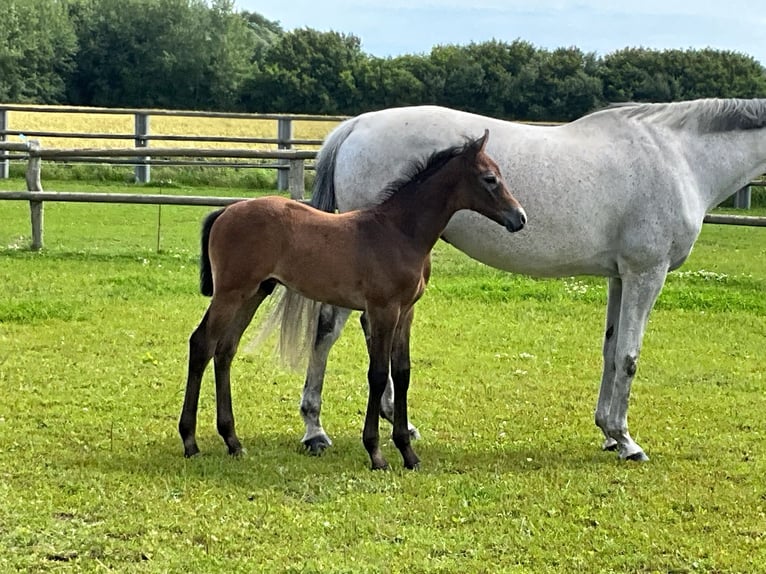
(396, 27)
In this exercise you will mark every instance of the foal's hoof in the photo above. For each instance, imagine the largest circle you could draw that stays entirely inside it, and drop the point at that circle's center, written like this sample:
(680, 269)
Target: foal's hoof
(379, 465)
(316, 445)
(237, 451)
(412, 465)
(190, 450)
(235, 447)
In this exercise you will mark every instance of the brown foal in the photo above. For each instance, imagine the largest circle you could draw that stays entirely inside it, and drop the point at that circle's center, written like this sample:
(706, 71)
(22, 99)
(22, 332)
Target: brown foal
(375, 260)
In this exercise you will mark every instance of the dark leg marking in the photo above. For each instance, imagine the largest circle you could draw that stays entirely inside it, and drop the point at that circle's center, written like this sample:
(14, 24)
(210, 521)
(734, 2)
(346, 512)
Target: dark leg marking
(630, 365)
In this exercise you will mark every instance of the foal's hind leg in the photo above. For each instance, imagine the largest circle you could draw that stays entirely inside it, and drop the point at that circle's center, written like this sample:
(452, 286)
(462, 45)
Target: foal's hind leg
(224, 354)
(203, 344)
(200, 352)
(331, 321)
(387, 401)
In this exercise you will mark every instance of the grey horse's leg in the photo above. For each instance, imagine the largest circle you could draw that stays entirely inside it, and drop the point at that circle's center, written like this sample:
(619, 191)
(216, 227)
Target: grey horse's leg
(639, 292)
(611, 329)
(387, 401)
(329, 327)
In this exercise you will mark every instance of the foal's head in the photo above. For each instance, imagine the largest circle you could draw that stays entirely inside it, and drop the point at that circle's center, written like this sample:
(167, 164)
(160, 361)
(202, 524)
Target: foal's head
(481, 187)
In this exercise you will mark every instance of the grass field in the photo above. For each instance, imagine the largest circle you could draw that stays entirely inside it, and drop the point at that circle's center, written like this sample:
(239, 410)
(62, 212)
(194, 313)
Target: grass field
(93, 344)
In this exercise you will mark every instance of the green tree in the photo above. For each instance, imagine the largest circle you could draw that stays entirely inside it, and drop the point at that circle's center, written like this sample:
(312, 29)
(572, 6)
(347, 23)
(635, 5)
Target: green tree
(563, 85)
(161, 53)
(504, 68)
(308, 71)
(37, 44)
(639, 74)
(386, 82)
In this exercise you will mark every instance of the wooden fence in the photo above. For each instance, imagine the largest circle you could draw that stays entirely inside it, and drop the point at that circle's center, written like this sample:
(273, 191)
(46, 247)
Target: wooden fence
(295, 158)
(142, 136)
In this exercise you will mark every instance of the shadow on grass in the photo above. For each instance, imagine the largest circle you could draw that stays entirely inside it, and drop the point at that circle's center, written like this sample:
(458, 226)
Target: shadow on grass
(279, 462)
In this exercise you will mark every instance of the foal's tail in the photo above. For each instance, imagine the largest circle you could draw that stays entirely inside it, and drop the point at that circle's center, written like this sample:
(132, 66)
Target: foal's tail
(295, 316)
(205, 272)
(323, 190)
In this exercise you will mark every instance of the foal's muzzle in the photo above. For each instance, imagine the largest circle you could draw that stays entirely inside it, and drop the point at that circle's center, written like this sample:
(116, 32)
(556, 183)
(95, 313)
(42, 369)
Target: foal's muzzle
(516, 219)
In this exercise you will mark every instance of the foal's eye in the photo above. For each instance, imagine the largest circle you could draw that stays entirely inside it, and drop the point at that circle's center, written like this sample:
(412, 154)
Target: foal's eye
(490, 178)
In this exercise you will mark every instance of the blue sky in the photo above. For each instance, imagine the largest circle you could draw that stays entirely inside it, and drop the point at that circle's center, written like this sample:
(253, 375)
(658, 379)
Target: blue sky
(394, 27)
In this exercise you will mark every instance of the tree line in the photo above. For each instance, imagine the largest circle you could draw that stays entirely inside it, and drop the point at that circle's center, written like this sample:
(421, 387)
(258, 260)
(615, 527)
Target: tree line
(198, 54)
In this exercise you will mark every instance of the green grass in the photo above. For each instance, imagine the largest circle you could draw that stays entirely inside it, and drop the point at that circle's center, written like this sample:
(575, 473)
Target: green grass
(93, 344)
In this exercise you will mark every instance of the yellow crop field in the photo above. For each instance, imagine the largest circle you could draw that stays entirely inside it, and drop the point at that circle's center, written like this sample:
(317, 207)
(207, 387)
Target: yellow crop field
(64, 121)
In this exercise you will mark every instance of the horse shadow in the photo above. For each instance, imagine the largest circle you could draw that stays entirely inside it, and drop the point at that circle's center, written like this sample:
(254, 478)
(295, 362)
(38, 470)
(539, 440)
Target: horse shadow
(279, 462)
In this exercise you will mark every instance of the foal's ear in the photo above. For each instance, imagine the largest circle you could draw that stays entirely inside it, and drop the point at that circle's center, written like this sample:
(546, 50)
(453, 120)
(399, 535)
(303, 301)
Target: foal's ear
(481, 142)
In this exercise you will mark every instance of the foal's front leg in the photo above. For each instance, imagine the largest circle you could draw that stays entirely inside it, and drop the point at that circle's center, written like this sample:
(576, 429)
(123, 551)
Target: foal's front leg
(400, 372)
(382, 325)
(387, 400)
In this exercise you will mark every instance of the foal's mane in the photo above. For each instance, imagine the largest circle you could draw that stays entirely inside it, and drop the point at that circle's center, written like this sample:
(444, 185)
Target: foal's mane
(420, 170)
(707, 116)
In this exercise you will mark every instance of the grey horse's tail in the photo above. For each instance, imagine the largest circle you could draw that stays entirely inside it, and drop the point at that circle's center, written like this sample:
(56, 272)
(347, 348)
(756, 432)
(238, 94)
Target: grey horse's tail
(205, 272)
(323, 191)
(295, 315)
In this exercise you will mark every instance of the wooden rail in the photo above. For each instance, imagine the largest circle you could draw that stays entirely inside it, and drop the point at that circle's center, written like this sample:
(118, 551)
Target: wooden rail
(142, 135)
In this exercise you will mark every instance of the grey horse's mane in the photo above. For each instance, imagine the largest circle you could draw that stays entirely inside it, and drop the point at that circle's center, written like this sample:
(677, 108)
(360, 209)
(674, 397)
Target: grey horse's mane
(709, 115)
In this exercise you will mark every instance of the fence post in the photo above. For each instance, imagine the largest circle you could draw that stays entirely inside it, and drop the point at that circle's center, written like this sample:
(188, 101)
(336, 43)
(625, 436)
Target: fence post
(142, 170)
(284, 135)
(295, 178)
(742, 198)
(33, 185)
(4, 162)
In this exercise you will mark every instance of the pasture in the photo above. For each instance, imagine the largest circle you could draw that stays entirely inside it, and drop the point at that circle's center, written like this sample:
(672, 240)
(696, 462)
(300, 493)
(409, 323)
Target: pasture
(93, 350)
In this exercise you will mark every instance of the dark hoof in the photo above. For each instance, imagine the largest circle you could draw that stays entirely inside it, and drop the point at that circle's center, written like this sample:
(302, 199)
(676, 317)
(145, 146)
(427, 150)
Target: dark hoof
(190, 451)
(639, 456)
(315, 446)
(379, 465)
(412, 466)
(235, 448)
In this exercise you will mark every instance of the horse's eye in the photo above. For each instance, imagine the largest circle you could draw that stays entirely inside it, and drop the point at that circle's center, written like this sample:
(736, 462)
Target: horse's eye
(490, 178)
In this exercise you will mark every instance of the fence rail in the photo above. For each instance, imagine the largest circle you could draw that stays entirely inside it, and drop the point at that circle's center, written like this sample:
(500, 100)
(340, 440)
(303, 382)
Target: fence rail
(142, 135)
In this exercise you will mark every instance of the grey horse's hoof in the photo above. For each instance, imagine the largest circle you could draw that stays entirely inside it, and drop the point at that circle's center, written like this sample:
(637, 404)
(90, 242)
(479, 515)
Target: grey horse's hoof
(639, 456)
(610, 445)
(316, 445)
